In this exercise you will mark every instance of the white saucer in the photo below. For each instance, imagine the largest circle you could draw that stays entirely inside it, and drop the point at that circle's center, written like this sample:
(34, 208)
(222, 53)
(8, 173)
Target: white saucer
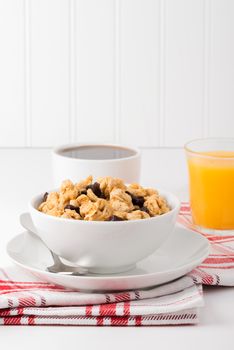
(182, 252)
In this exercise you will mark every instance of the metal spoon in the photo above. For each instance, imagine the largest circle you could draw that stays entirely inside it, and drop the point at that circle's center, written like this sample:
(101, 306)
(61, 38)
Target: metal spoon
(58, 266)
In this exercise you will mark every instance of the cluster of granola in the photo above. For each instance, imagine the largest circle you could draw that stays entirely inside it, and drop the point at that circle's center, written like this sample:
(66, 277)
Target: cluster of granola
(107, 199)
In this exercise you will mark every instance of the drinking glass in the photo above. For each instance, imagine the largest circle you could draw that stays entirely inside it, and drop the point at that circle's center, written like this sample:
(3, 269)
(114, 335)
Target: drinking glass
(211, 184)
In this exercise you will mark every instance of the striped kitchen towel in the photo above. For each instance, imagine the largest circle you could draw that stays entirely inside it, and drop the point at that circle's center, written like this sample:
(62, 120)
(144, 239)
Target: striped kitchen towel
(24, 300)
(218, 267)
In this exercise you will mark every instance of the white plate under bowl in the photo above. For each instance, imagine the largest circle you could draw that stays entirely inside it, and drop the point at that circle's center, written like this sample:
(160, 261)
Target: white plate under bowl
(182, 252)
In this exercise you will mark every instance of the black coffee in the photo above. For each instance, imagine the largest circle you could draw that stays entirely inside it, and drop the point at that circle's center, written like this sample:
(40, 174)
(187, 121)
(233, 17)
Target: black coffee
(97, 152)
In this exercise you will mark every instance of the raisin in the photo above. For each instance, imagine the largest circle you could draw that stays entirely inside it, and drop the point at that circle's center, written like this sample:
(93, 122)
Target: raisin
(115, 218)
(96, 189)
(72, 207)
(136, 200)
(45, 196)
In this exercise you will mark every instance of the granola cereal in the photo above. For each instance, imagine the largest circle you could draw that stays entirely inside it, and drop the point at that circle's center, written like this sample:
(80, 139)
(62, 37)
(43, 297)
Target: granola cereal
(120, 200)
(107, 199)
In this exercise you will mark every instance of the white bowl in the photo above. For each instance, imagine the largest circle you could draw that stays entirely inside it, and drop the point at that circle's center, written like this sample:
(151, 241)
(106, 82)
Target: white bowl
(104, 246)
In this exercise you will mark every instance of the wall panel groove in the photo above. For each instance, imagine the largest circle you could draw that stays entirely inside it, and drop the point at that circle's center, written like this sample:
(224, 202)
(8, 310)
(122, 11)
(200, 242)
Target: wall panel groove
(73, 60)
(117, 68)
(161, 68)
(206, 72)
(27, 73)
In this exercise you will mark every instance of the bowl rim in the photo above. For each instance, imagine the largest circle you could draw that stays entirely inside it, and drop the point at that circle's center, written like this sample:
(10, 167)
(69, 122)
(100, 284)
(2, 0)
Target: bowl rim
(176, 207)
(57, 152)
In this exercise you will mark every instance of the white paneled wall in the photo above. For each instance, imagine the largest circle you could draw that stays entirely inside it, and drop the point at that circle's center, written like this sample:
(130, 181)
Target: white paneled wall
(49, 71)
(12, 74)
(139, 73)
(95, 70)
(221, 65)
(154, 73)
(183, 66)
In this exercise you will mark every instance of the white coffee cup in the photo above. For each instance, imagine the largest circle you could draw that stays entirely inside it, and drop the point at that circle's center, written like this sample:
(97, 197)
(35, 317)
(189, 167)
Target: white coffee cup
(77, 161)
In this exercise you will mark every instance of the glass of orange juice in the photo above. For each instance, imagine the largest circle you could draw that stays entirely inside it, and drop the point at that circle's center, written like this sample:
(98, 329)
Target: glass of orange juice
(211, 184)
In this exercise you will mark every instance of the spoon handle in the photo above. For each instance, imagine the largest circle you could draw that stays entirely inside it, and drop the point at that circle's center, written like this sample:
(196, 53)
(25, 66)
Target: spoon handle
(58, 266)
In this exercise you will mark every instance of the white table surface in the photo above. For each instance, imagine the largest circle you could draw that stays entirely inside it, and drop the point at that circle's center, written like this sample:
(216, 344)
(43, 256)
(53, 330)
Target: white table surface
(26, 172)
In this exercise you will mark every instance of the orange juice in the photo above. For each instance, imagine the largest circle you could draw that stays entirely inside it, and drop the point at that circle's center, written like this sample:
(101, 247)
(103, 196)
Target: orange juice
(212, 189)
